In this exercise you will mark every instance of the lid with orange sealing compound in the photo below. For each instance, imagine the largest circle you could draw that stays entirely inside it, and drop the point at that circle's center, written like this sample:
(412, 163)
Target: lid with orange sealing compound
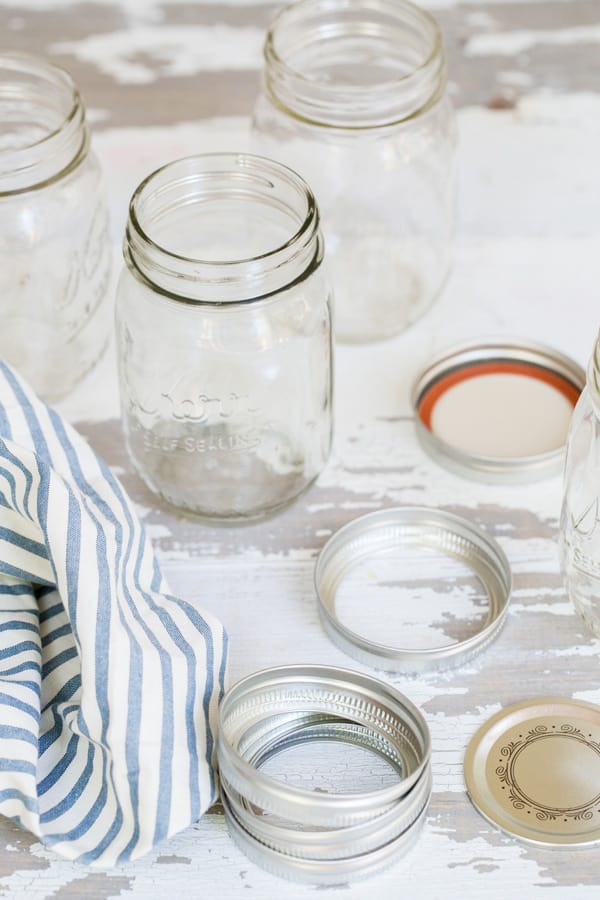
(498, 410)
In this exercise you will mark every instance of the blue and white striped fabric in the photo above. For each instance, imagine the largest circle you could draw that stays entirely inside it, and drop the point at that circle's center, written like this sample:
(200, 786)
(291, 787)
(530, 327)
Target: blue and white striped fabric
(109, 687)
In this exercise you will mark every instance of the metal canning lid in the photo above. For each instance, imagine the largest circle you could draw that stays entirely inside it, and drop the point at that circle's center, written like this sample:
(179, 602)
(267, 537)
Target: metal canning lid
(318, 727)
(498, 410)
(338, 843)
(323, 871)
(262, 699)
(411, 526)
(533, 769)
(330, 843)
(313, 837)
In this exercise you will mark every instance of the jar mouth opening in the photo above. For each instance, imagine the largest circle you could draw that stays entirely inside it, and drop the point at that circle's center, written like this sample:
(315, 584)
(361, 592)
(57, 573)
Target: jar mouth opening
(23, 73)
(42, 122)
(222, 228)
(354, 63)
(195, 181)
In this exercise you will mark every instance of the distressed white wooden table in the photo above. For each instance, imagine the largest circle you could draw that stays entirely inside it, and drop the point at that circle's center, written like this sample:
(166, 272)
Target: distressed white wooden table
(165, 79)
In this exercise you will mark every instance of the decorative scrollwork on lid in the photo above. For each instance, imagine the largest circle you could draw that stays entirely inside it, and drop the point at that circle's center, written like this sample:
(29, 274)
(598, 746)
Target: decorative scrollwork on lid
(541, 729)
(517, 796)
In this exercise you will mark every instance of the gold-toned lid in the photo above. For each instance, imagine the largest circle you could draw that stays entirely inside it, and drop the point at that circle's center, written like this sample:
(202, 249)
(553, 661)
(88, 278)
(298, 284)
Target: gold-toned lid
(533, 769)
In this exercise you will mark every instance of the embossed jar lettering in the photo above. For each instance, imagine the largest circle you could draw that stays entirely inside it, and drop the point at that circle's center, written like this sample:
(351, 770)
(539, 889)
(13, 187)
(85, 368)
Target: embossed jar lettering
(224, 329)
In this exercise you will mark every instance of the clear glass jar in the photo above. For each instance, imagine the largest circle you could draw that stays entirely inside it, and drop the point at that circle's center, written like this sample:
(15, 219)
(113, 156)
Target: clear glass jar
(580, 517)
(354, 100)
(224, 336)
(55, 253)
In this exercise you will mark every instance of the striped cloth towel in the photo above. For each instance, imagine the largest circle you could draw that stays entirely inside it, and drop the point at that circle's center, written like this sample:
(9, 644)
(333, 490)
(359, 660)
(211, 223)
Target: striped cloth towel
(109, 687)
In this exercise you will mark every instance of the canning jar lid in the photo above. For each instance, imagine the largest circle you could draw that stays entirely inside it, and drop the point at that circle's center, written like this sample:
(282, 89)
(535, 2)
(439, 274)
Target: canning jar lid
(323, 871)
(533, 769)
(274, 698)
(306, 835)
(380, 533)
(498, 409)
(331, 843)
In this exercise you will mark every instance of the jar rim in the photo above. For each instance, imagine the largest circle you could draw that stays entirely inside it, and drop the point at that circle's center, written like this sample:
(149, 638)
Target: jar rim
(426, 78)
(160, 264)
(38, 162)
(28, 63)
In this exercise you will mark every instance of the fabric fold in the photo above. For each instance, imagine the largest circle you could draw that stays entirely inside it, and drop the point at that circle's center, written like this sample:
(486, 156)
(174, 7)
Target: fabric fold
(109, 686)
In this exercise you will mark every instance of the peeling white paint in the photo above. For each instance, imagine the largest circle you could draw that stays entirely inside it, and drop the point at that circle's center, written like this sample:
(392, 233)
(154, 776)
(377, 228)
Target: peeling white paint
(553, 609)
(481, 18)
(511, 43)
(535, 592)
(313, 508)
(514, 78)
(453, 4)
(577, 110)
(576, 651)
(591, 696)
(214, 858)
(450, 736)
(527, 262)
(137, 7)
(172, 51)
(144, 8)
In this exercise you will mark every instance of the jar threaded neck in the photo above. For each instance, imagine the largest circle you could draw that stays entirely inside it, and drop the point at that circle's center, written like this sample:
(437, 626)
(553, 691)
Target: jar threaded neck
(43, 132)
(354, 64)
(222, 228)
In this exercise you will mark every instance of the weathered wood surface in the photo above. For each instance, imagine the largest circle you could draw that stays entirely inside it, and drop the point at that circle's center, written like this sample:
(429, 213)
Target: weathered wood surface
(162, 80)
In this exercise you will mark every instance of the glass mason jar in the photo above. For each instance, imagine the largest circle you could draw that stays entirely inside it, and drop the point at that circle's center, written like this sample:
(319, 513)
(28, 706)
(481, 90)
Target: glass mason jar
(224, 336)
(580, 518)
(354, 100)
(55, 252)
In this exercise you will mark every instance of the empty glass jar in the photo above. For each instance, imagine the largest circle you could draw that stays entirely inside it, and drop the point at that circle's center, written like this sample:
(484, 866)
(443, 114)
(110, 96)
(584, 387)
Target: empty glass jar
(354, 100)
(580, 519)
(54, 244)
(224, 333)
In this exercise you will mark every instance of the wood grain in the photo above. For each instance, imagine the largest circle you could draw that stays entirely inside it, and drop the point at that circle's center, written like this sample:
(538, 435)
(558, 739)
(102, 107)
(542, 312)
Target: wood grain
(165, 79)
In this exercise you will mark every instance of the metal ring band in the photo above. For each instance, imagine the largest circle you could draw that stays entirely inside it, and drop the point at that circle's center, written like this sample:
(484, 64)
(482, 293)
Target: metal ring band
(410, 526)
(322, 871)
(338, 843)
(253, 707)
